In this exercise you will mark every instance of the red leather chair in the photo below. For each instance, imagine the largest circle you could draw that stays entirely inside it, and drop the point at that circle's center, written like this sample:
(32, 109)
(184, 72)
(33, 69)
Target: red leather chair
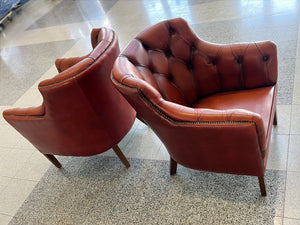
(82, 113)
(211, 105)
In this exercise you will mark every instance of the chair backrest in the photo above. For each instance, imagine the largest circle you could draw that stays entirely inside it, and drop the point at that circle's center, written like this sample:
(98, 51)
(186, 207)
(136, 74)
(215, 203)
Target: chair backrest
(82, 113)
(183, 68)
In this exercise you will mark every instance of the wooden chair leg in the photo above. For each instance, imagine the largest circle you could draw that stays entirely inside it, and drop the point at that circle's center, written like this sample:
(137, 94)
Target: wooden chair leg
(52, 159)
(262, 186)
(121, 155)
(275, 118)
(173, 166)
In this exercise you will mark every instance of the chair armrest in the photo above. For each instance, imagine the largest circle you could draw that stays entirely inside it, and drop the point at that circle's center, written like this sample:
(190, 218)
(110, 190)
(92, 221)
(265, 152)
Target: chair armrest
(65, 63)
(37, 111)
(182, 114)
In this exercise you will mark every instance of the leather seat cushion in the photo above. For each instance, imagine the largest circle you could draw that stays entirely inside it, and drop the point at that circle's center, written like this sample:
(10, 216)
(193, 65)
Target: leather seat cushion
(259, 100)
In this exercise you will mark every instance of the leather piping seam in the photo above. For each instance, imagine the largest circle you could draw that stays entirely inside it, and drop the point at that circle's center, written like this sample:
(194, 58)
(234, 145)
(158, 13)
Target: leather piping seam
(11, 115)
(168, 117)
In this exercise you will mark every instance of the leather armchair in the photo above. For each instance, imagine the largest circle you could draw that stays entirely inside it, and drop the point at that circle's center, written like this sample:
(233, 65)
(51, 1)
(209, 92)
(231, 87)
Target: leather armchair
(82, 113)
(211, 105)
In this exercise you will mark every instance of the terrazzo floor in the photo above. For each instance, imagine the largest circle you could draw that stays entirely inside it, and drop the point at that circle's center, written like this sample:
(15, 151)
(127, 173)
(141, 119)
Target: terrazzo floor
(44, 30)
(99, 190)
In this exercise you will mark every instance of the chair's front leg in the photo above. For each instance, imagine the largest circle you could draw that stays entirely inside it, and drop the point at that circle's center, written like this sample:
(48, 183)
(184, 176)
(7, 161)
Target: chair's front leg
(262, 186)
(173, 166)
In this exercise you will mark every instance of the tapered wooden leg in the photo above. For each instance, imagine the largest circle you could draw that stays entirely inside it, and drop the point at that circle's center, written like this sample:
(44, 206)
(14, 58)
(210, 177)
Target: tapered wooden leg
(121, 156)
(262, 186)
(52, 159)
(275, 118)
(173, 166)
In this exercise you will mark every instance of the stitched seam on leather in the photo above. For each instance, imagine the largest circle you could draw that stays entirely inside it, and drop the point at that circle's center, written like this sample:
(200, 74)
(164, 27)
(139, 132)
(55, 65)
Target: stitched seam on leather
(201, 122)
(11, 115)
(169, 118)
(77, 75)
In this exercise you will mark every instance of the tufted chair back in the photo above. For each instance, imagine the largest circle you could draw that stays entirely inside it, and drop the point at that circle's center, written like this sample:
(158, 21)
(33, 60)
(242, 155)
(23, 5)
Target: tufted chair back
(184, 68)
(211, 105)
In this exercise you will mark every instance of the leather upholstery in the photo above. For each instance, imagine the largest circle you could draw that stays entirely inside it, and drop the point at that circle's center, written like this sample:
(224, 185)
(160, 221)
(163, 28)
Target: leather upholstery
(82, 113)
(211, 105)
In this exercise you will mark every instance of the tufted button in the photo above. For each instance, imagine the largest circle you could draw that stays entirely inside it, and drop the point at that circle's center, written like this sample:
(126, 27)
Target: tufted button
(193, 48)
(265, 58)
(239, 60)
(214, 62)
(189, 65)
(168, 53)
(171, 30)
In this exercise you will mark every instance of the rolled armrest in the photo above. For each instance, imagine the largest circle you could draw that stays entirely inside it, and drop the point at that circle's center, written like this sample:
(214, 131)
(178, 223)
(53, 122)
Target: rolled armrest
(65, 63)
(24, 112)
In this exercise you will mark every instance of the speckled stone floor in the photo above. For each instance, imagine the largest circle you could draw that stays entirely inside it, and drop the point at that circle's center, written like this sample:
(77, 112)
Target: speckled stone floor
(99, 190)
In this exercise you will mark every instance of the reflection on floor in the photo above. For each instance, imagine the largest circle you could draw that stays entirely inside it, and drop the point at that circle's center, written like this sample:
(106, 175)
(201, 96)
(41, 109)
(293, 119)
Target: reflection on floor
(45, 30)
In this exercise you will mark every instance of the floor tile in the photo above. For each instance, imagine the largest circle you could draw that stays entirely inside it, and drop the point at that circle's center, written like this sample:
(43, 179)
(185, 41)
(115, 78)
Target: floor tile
(34, 167)
(230, 207)
(295, 118)
(278, 221)
(286, 71)
(4, 219)
(12, 160)
(256, 7)
(277, 159)
(145, 143)
(292, 196)
(64, 13)
(288, 221)
(14, 195)
(294, 154)
(17, 76)
(283, 119)
(8, 136)
(55, 33)
(4, 181)
(162, 154)
(30, 12)
(296, 93)
(24, 144)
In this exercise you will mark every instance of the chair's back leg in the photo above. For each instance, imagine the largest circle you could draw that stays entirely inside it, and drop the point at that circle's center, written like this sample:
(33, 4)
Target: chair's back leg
(53, 160)
(121, 156)
(275, 118)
